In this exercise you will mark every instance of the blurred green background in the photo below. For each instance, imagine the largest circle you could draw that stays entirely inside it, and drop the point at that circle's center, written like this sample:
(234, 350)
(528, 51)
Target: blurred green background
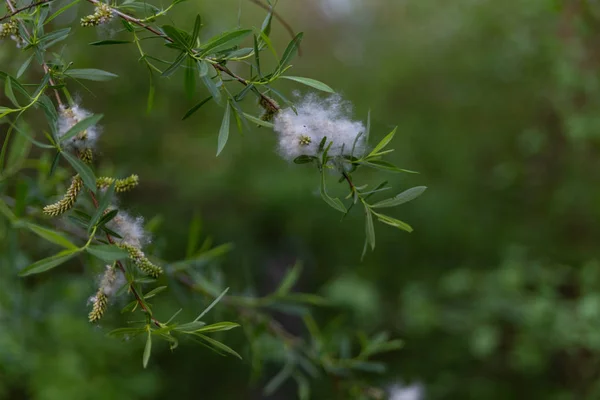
(497, 292)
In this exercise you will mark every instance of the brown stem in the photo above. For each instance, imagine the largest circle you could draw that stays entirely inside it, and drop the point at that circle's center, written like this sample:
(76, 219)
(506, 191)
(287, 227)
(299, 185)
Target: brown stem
(18, 10)
(13, 10)
(218, 67)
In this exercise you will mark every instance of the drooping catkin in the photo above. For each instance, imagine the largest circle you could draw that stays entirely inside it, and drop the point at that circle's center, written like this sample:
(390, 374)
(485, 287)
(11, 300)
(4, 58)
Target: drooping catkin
(68, 200)
(138, 257)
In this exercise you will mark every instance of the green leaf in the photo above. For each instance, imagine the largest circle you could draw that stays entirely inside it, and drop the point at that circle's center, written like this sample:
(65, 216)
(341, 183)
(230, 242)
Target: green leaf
(24, 66)
(110, 42)
(402, 198)
(258, 121)
(290, 51)
(81, 126)
(214, 303)
(189, 327)
(218, 346)
(50, 235)
(49, 263)
(224, 131)
(217, 327)
(384, 142)
(290, 280)
(396, 223)
(83, 170)
(102, 206)
(147, 350)
(304, 159)
(179, 37)
(192, 110)
(189, 78)
(154, 292)
(173, 67)
(54, 37)
(61, 10)
(333, 202)
(310, 82)
(193, 235)
(196, 31)
(369, 228)
(107, 252)
(214, 91)
(224, 41)
(256, 54)
(386, 166)
(91, 74)
(9, 92)
(278, 379)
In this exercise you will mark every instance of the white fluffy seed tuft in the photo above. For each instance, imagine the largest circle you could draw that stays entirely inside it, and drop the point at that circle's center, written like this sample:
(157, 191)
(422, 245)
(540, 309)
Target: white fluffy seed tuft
(302, 133)
(131, 229)
(70, 116)
(111, 281)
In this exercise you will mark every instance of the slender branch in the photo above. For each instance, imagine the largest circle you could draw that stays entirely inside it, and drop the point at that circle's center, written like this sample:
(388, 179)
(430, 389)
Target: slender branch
(18, 10)
(218, 67)
(12, 8)
(283, 22)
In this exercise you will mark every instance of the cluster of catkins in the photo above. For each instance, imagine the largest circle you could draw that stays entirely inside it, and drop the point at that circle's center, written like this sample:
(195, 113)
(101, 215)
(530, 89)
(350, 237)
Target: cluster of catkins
(315, 120)
(11, 29)
(132, 236)
(102, 14)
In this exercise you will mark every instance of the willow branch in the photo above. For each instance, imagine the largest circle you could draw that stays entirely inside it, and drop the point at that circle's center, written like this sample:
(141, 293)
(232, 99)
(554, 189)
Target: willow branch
(156, 32)
(18, 10)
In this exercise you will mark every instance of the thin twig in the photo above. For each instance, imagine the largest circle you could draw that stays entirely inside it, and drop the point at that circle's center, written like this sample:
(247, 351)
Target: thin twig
(218, 67)
(283, 22)
(18, 10)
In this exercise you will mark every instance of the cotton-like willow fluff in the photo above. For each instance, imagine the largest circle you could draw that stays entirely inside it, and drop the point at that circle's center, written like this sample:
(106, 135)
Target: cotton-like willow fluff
(301, 133)
(111, 281)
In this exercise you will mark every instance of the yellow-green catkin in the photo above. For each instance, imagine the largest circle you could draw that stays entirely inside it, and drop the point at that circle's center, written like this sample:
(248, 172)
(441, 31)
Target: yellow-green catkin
(86, 155)
(121, 185)
(270, 106)
(9, 28)
(138, 257)
(103, 13)
(68, 200)
(100, 304)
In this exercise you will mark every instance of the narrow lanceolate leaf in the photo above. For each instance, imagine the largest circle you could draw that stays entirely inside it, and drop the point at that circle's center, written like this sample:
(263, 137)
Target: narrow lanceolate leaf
(83, 170)
(147, 350)
(258, 121)
(396, 223)
(224, 41)
(81, 126)
(107, 252)
(310, 82)
(218, 346)
(51, 236)
(102, 205)
(224, 131)
(8, 91)
(333, 202)
(290, 280)
(91, 74)
(214, 303)
(290, 51)
(192, 110)
(196, 31)
(109, 42)
(218, 327)
(180, 38)
(402, 198)
(212, 87)
(49, 263)
(189, 78)
(369, 228)
(176, 64)
(384, 142)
